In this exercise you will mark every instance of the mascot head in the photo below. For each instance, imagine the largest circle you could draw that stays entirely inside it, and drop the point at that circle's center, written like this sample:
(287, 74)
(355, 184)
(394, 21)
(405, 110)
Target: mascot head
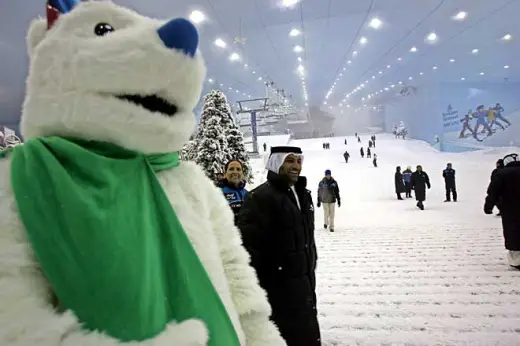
(102, 72)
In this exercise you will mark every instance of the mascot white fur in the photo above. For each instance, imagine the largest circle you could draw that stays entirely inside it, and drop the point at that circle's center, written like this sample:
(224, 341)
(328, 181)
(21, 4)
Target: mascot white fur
(90, 255)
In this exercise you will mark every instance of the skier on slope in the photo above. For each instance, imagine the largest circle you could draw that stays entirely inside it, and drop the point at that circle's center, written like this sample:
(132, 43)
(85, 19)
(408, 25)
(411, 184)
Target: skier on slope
(420, 181)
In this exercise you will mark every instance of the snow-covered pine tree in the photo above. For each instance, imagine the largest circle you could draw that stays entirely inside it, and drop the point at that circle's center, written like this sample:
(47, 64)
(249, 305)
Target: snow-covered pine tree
(236, 148)
(188, 151)
(211, 149)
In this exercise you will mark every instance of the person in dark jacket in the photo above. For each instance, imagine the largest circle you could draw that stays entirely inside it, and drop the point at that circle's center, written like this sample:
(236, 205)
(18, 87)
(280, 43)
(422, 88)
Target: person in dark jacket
(346, 156)
(362, 152)
(345, 141)
(265, 146)
(233, 185)
(420, 181)
(399, 183)
(359, 139)
(374, 161)
(499, 166)
(369, 153)
(407, 178)
(328, 195)
(277, 226)
(449, 180)
(505, 188)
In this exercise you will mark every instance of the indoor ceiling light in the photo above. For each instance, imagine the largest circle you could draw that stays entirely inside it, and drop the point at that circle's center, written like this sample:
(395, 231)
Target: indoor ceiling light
(294, 32)
(507, 37)
(506, 66)
(363, 40)
(259, 78)
(388, 66)
(399, 59)
(463, 78)
(373, 77)
(421, 73)
(432, 37)
(349, 62)
(197, 17)
(298, 49)
(460, 16)
(234, 57)
(380, 72)
(410, 78)
(482, 73)
(474, 51)
(413, 49)
(452, 60)
(210, 80)
(375, 23)
(354, 53)
(299, 59)
(289, 3)
(434, 67)
(220, 43)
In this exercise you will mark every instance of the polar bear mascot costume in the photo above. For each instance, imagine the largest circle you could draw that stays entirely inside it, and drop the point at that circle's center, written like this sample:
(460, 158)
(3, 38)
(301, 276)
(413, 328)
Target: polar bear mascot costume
(105, 237)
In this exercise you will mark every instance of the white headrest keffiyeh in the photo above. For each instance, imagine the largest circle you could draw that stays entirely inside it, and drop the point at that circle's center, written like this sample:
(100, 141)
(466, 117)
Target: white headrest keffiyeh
(276, 161)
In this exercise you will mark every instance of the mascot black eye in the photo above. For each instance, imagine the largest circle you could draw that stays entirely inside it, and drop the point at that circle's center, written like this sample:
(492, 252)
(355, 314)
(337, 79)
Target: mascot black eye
(102, 29)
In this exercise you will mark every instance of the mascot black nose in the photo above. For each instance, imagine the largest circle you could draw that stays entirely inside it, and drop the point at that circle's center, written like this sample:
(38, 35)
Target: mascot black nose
(180, 34)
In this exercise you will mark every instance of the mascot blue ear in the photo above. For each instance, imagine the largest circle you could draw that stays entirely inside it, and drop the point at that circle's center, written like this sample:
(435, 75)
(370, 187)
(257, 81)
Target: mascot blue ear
(180, 34)
(63, 6)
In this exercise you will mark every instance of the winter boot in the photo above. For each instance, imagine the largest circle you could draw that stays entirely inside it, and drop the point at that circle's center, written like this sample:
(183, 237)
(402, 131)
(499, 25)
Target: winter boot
(332, 230)
(325, 226)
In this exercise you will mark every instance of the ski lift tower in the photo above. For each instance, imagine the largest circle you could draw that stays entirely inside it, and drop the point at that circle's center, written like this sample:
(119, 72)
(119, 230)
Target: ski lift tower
(257, 105)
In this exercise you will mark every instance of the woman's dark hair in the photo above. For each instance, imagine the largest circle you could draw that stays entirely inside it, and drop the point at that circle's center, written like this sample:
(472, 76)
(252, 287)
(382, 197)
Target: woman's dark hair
(230, 162)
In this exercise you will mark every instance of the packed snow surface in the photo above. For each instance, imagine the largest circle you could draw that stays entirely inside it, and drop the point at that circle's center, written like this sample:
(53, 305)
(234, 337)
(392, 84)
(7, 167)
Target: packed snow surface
(394, 275)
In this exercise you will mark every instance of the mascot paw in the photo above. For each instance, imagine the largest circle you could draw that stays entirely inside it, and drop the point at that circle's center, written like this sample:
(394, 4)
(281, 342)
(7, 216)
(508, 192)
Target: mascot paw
(188, 333)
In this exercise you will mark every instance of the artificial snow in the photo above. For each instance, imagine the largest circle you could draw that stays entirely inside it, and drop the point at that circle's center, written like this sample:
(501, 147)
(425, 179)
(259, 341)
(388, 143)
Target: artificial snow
(394, 275)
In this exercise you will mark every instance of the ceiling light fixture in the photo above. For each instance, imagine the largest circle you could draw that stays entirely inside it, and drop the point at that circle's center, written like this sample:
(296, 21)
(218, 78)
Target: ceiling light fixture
(289, 3)
(354, 53)
(452, 60)
(460, 16)
(210, 80)
(197, 17)
(507, 37)
(298, 49)
(299, 59)
(474, 51)
(363, 40)
(506, 66)
(234, 57)
(375, 23)
(482, 73)
(432, 37)
(399, 59)
(434, 67)
(463, 78)
(388, 66)
(294, 32)
(220, 43)
(413, 49)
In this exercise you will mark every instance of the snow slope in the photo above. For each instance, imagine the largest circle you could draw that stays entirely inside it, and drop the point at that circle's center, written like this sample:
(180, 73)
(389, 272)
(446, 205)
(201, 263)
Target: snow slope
(394, 275)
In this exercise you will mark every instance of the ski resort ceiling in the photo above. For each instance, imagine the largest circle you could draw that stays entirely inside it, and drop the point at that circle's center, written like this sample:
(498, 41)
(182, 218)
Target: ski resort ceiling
(327, 53)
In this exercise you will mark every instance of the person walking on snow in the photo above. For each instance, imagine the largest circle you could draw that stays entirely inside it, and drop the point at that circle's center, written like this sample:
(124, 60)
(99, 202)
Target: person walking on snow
(374, 161)
(362, 152)
(277, 226)
(328, 195)
(449, 180)
(399, 183)
(407, 178)
(369, 153)
(420, 181)
(505, 189)
(346, 156)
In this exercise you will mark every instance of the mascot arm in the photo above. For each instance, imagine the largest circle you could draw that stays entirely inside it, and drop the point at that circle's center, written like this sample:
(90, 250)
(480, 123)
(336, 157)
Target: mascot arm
(26, 300)
(249, 298)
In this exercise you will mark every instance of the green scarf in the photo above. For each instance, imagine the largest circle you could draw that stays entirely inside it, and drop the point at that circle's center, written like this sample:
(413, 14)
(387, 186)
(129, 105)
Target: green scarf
(109, 241)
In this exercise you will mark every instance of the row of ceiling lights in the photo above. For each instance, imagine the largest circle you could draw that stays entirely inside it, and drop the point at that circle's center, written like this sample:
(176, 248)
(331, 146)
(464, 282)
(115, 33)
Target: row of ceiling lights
(375, 23)
(363, 85)
(431, 38)
(198, 17)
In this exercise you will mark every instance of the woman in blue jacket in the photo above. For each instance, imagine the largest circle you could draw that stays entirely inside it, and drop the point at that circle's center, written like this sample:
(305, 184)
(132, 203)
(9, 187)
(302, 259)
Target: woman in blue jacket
(233, 185)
